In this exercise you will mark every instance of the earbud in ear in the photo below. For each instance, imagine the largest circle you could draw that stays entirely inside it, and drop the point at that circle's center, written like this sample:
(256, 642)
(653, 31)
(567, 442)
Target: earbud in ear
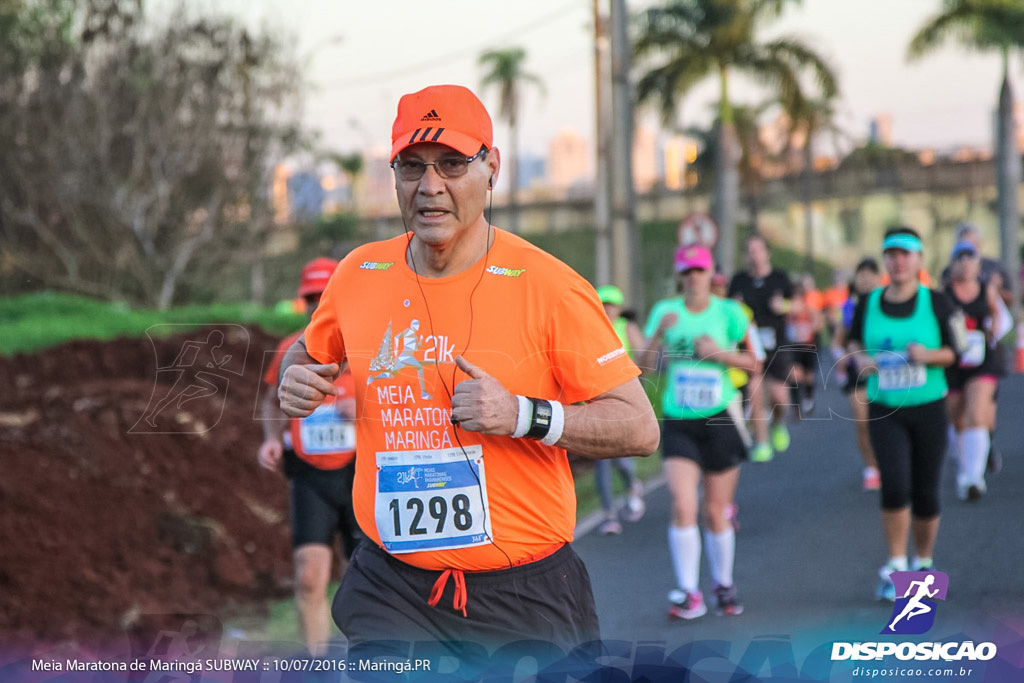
(490, 183)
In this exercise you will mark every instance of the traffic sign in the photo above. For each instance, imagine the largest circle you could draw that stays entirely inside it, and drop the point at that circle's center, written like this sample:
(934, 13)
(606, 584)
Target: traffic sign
(698, 228)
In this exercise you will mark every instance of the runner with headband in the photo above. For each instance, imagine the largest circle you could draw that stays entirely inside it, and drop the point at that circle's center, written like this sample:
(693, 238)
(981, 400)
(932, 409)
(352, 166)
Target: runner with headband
(904, 335)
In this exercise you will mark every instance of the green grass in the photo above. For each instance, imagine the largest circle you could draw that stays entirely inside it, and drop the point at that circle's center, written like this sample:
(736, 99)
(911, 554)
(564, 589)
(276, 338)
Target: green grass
(33, 322)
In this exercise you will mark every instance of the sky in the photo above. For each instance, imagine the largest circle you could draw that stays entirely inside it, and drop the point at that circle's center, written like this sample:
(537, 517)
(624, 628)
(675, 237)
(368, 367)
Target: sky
(362, 56)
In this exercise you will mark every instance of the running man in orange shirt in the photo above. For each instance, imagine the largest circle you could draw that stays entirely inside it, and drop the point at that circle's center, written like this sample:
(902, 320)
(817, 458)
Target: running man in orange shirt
(466, 493)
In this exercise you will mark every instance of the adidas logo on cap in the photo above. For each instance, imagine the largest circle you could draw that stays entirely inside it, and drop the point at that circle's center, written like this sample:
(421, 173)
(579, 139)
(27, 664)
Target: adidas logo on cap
(431, 116)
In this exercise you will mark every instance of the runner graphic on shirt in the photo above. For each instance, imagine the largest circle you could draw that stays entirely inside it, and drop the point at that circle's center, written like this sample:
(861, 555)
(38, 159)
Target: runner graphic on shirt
(398, 353)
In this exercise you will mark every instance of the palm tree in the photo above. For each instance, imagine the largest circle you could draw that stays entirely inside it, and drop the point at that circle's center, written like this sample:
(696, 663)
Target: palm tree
(506, 72)
(685, 41)
(988, 25)
(352, 166)
(808, 119)
(753, 152)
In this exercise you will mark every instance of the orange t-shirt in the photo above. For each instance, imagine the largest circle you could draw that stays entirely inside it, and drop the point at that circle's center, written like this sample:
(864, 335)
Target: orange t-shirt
(836, 296)
(434, 495)
(815, 299)
(322, 439)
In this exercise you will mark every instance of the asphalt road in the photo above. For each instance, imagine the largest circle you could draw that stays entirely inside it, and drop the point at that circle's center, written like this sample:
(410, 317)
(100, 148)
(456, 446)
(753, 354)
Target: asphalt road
(807, 555)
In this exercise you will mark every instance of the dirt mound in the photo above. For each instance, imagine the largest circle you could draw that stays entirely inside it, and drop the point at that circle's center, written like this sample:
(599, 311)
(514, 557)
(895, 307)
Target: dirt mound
(129, 484)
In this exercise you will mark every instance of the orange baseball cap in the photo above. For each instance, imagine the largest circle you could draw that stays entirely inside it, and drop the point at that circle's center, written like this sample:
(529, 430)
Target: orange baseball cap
(448, 114)
(315, 275)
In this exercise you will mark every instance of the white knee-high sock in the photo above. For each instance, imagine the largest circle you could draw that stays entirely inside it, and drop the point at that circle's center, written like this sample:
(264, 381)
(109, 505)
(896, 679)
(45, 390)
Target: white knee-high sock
(960, 450)
(975, 444)
(684, 544)
(721, 549)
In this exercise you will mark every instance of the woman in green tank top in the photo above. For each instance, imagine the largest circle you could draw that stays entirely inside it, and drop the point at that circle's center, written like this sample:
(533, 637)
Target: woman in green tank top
(903, 335)
(698, 336)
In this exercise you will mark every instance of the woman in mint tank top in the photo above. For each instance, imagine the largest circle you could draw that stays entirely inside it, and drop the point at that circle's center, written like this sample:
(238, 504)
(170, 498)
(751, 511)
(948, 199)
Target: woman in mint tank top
(697, 336)
(904, 335)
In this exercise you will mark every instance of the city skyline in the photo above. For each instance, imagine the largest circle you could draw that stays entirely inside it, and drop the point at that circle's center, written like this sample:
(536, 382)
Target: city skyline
(362, 57)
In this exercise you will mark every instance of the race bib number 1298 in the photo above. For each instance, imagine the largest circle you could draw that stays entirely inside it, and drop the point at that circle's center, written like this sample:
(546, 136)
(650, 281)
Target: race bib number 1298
(432, 500)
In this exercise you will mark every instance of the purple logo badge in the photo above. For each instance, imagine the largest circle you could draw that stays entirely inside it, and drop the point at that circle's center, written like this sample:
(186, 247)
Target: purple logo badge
(914, 611)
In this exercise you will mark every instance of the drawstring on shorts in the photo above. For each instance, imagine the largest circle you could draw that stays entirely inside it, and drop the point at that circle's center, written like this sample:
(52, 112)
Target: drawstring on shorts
(461, 596)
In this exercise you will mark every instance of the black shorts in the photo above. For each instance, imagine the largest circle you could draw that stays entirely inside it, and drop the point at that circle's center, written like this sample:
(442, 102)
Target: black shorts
(714, 443)
(994, 366)
(321, 504)
(855, 379)
(806, 356)
(381, 606)
(779, 363)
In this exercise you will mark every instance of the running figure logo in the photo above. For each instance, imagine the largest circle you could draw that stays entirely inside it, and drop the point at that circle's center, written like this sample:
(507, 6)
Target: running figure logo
(914, 613)
(397, 353)
(198, 376)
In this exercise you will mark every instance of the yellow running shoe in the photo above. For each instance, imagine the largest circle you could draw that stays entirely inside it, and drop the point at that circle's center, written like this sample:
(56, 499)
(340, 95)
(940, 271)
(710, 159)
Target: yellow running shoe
(780, 438)
(761, 452)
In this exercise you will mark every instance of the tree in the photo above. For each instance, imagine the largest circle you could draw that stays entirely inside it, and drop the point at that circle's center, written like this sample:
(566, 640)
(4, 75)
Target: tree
(808, 119)
(988, 25)
(753, 153)
(506, 72)
(137, 157)
(352, 165)
(685, 41)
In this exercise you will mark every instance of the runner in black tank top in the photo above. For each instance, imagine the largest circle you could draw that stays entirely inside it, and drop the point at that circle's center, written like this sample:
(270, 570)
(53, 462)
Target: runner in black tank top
(974, 380)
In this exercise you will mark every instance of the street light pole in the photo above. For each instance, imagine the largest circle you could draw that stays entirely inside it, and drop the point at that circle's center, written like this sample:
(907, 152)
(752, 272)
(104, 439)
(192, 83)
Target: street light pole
(625, 249)
(602, 129)
(1009, 178)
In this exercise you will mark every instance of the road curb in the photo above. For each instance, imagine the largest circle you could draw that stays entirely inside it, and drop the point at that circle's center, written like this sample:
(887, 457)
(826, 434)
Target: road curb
(593, 520)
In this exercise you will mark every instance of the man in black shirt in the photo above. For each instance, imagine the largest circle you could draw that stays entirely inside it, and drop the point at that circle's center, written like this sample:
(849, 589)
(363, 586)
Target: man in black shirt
(768, 292)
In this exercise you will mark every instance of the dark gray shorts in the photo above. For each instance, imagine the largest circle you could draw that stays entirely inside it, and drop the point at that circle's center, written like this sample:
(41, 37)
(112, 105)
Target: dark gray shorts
(382, 607)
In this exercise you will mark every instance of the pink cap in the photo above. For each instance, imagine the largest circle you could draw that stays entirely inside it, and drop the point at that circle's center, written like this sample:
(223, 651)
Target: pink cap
(693, 256)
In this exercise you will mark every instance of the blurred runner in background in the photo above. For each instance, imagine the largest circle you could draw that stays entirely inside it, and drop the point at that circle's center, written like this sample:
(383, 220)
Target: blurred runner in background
(974, 380)
(768, 292)
(632, 340)
(317, 455)
(866, 279)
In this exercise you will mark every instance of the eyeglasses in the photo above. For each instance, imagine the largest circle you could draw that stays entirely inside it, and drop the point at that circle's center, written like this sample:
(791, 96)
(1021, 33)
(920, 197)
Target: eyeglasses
(446, 167)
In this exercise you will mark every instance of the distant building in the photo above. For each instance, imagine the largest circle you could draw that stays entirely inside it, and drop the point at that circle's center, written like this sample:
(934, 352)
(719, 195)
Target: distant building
(305, 196)
(279, 194)
(378, 190)
(880, 131)
(679, 152)
(532, 170)
(647, 159)
(569, 160)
